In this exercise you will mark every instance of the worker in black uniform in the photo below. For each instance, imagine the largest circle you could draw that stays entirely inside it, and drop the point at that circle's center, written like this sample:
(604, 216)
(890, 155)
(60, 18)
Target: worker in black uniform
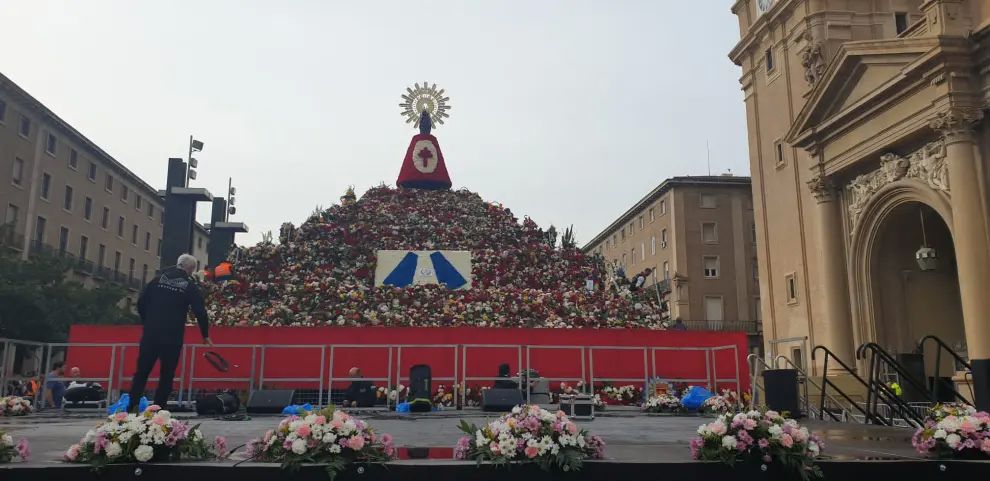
(163, 307)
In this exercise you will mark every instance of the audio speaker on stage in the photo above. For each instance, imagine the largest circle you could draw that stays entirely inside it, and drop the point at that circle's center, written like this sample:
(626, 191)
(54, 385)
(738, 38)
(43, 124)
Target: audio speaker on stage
(500, 400)
(914, 366)
(224, 402)
(781, 387)
(270, 401)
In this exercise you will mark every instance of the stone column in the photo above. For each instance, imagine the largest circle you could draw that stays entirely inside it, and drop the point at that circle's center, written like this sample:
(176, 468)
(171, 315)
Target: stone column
(969, 237)
(834, 328)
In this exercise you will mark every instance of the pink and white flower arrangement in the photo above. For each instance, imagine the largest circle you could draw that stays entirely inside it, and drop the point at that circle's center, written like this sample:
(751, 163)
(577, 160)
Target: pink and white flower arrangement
(954, 430)
(530, 434)
(627, 395)
(763, 437)
(663, 403)
(153, 435)
(330, 437)
(15, 406)
(9, 450)
(727, 401)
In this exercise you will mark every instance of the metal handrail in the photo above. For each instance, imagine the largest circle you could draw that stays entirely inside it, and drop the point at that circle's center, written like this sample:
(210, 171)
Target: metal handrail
(807, 399)
(877, 388)
(942, 346)
(867, 415)
(754, 376)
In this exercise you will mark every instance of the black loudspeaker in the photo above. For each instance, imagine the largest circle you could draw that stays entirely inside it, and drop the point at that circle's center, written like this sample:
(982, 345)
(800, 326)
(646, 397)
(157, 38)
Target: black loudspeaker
(420, 382)
(270, 401)
(914, 366)
(781, 388)
(500, 400)
(224, 402)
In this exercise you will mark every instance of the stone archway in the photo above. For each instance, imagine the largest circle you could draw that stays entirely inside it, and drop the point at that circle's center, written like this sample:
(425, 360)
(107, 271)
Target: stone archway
(895, 303)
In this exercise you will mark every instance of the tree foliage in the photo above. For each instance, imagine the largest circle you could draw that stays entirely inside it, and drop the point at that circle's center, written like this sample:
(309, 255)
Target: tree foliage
(39, 302)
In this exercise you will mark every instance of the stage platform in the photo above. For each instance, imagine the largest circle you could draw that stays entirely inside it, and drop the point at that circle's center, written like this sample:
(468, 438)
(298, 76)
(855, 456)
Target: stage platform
(637, 445)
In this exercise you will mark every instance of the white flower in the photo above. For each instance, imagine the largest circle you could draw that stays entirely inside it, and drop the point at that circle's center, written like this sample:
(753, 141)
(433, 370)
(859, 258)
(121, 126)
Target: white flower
(143, 453)
(729, 442)
(813, 447)
(939, 434)
(90, 436)
(329, 438)
(114, 450)
(299, 446)
(703, 430)
(333, 449)
(516, 410)
(7, 440)
(196, 435)
(953, 440)
(775, 431)
(480, 439)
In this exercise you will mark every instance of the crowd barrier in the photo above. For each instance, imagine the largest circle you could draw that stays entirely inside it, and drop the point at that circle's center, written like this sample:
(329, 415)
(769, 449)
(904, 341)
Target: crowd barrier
(319, 369)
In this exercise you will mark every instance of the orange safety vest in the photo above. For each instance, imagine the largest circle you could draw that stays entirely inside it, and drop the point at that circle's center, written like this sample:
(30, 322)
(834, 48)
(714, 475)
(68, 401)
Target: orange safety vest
(223, 271)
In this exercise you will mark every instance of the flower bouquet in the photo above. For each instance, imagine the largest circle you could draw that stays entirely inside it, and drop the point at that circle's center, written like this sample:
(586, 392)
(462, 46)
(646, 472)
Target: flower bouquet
(765, 437)
(530, 434)
(954, 430)
(628, 395)
(443, 397)
(153, 435)
(329, 437)
(15, 406)
(9, 450)
(723, 403)
(663, 403)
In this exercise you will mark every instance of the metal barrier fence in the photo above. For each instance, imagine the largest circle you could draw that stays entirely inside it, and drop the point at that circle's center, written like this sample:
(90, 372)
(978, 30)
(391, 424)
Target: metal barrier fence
(258, 373)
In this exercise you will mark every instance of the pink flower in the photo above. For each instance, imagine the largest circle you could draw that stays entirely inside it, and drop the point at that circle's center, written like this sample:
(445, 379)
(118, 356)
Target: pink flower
(493, 447)
(72, 453)
(386, 438)
(717, 428)
(462, 448)
(154, 408)
(268, 435)
(696, 444)
(220, 447)
(967, 427)
(356, 442)
(23, 449)
(336, 423)
(786, 440)
(158, 420)
(763, 443)
(121, 416)
(320, 420)
(572, 428)
(749, 424)
(532, 451)
(985, 446)
(767, 458)
(303, 431)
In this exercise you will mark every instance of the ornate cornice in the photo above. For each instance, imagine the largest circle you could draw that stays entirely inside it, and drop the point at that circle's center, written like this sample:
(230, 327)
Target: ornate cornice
(926, 165)
(956, 124)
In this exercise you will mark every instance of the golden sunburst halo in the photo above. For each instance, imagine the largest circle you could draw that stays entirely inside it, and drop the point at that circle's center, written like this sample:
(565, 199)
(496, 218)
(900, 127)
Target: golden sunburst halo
(426, 97)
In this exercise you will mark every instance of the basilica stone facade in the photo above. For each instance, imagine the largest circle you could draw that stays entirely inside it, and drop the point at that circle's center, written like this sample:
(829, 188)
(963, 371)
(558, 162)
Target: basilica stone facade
(870, 161)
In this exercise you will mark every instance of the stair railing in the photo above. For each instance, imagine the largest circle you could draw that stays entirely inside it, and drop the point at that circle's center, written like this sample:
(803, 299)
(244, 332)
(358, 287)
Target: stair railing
(868, 415)
(942, 346)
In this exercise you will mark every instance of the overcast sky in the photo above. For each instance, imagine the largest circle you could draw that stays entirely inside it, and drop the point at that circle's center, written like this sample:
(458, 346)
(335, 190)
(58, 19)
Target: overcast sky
(566, 111)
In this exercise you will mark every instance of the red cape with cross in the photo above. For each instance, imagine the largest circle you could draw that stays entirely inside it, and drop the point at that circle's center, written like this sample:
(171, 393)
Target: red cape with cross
(423, 167)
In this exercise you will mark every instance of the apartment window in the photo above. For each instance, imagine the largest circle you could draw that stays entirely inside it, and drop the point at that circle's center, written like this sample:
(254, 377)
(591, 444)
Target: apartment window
(83, 247)
(73, 159)
(709, 233)
(25, 129)
(46, 186)
(120, 226)
(101, 256)
(769, 59)
(652, 217)
(623, 233)
(130, 269)
(105, 221)
(756, 270)
(124, 192)
(137, 202)
(151, 210)
(134, 234)
(39, 229)
(144, 273)
(613, 240)
(67, 202)
(711, 267)
(10, 219)
(790, 283)
(91, 175)
(640, 222)
(51, 146)
(663, 207)
(642, 251)
(3, 111)
(624, 259)
(666, 270)
(632, 255)
(778, 148)
(159, 248)
(752, 232)
(108, 184)
(63, 239)
(708, 201)
(653, 245)
(757, 309)
(116, 261)
(199, 242)
(900, 22)
(147, 241)
(713, 311)
(88, 208)
(663, 239)
(17, 176)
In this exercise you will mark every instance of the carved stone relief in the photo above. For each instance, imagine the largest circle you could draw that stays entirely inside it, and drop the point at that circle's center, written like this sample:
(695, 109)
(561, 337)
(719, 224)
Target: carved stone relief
(926, 165)
(813, 61)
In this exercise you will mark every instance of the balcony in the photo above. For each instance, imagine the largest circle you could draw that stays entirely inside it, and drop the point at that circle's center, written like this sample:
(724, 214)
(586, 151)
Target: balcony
(84, 266)
(749, 327)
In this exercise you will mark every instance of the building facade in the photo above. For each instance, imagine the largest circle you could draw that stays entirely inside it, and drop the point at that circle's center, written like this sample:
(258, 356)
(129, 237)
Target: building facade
(868, 155)
(696, 233)
(60, 193)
